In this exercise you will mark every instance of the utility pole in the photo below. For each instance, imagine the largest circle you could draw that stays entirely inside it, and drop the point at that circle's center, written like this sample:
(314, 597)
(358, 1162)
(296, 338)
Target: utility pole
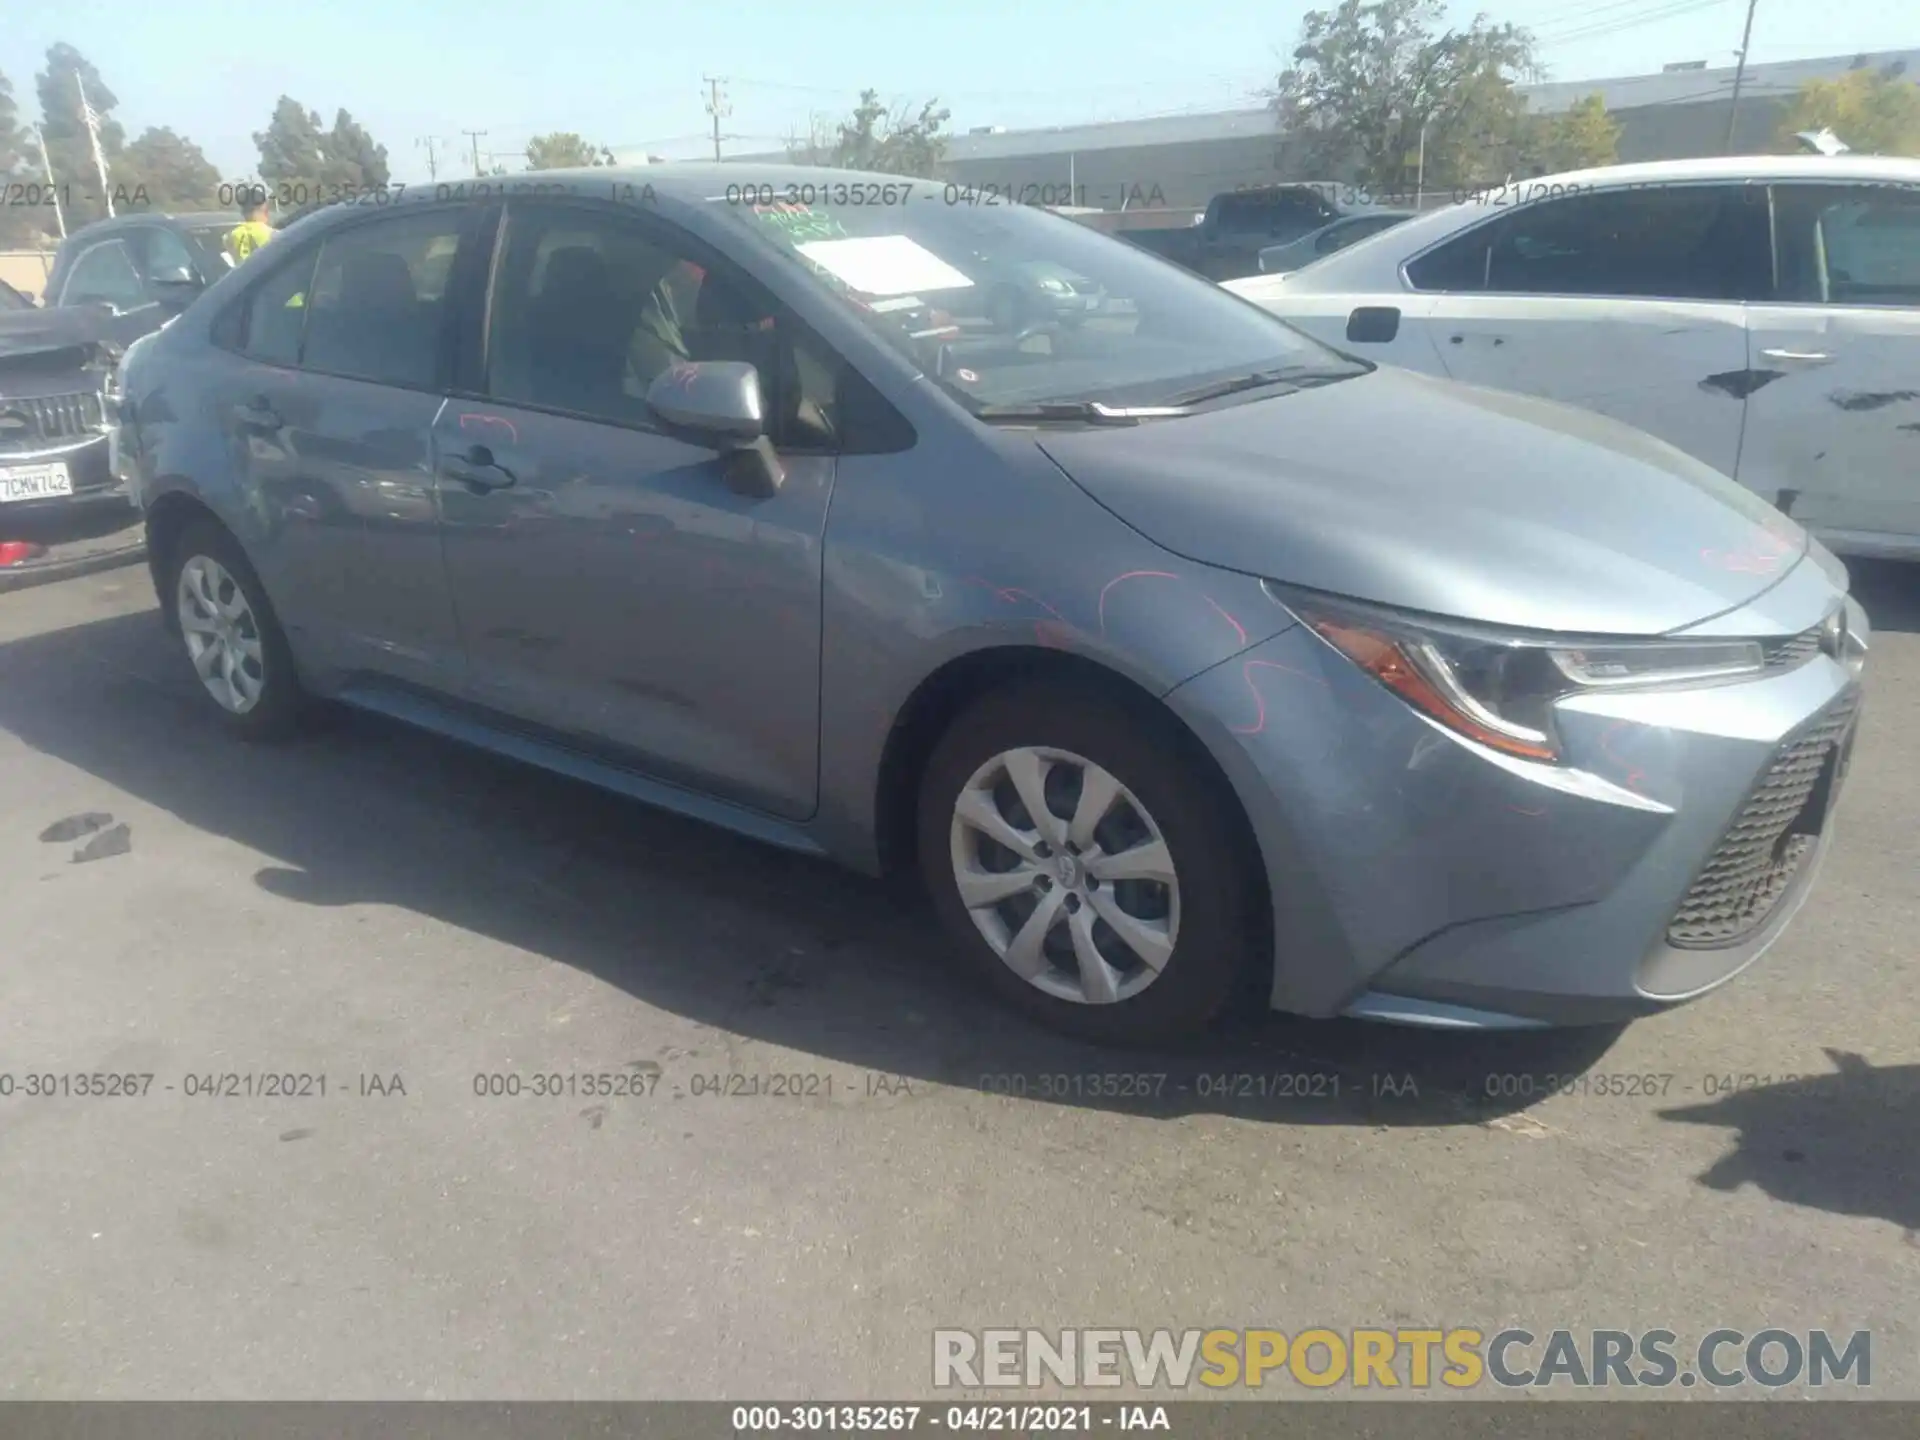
(1739, 74)
(91, 119)
(717, 107)
(431, 144)
(474, 136)
(46, 162)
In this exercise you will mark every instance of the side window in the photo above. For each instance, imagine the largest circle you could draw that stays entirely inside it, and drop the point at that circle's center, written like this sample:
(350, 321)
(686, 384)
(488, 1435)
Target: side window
(1699, 242)
(268, 321)
(1850, 244)
(161, 254)
(376, 307)
(590, 307)
(105, 272)
(1457, 267)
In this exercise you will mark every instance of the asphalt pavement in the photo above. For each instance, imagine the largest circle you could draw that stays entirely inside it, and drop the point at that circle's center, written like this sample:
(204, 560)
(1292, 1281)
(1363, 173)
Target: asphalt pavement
(422, 929)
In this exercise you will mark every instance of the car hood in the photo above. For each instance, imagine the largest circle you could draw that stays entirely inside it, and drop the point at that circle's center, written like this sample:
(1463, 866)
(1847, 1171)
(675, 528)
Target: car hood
(83, 329)
(1433, 496)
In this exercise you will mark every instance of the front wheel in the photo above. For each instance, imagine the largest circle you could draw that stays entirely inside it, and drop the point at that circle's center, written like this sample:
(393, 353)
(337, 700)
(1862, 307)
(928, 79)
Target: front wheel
(1087, 867)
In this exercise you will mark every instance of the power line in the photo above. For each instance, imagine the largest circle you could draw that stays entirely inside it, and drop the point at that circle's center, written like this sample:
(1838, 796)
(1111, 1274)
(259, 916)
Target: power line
(1669, 11)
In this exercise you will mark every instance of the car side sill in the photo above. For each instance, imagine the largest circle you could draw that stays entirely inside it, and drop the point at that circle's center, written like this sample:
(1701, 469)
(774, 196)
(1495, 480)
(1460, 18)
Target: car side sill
(421, 711)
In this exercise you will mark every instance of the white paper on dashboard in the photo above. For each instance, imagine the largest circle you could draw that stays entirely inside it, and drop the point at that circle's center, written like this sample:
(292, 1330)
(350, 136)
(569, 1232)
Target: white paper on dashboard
(884, 265)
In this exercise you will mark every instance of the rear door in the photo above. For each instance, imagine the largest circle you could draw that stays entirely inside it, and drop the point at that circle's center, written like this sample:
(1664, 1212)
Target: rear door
(1627, 302)
(1833, 431)
(611, 589)
(344, 346)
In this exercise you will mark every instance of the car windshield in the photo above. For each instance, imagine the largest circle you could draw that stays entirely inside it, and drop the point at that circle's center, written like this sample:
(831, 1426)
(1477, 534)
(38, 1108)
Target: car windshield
(212, 238)
(1009, 306)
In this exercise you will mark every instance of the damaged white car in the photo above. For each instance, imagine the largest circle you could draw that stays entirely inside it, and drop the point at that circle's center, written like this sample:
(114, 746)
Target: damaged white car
(1762, 313)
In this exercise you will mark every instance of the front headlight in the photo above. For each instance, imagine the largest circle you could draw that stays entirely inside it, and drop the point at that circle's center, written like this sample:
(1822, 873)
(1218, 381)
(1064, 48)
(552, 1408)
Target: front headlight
(1499, 688)
(1056, 287)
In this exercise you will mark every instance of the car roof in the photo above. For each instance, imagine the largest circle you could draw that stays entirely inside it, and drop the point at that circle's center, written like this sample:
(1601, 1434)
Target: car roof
(176, 219)
(1373, 264)
(690, 183)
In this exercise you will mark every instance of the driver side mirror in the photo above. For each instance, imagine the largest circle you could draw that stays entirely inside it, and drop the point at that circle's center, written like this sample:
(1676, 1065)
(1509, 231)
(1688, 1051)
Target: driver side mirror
(718, 403)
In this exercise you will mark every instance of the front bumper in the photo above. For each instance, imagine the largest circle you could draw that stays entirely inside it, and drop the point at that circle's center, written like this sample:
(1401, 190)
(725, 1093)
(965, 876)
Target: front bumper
(1419, 878)
(89, 466)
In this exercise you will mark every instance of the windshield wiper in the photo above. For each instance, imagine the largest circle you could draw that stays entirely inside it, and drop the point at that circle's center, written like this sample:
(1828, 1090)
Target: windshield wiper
(1088, 412)
(1299, 376)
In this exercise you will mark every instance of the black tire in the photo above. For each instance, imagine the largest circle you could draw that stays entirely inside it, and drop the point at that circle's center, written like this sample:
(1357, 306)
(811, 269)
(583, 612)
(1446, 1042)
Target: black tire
(1221, 933)
(282, 703)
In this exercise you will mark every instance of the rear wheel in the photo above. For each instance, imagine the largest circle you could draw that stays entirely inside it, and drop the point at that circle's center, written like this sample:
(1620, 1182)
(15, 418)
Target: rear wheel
(233, 642)
(1087, 867)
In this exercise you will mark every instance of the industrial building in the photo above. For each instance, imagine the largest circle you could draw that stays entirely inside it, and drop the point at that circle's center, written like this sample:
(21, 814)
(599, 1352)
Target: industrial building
(1183, 160)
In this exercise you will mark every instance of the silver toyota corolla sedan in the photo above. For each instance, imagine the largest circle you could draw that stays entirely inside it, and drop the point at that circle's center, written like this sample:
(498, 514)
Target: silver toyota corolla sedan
(1171, 647)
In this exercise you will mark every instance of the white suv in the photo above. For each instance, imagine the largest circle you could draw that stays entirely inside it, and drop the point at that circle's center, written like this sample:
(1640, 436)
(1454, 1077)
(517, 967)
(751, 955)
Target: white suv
(1761, 313)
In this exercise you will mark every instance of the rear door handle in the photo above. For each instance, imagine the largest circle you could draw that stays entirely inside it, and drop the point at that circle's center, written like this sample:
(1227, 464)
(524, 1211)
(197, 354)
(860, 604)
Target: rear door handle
(476, 470)
(1804, 356)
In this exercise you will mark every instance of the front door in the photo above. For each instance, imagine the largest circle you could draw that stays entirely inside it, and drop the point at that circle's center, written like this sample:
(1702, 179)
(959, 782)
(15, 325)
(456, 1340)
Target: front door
(1833, 431)
(1626, 303)
(610, 587)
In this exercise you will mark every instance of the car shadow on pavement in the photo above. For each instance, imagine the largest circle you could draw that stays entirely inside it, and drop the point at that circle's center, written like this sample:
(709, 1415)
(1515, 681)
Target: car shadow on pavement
(1847, 1142)
(755, 942)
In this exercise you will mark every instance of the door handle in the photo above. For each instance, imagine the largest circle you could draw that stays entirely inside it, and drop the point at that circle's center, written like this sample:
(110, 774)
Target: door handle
(257, 414)
(476, 470)
(1808, 356)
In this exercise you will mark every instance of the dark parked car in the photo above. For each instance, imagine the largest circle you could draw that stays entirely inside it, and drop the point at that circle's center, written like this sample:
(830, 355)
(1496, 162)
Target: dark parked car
(56, 403)
(1237, 226)
(112, 282)
(144, 267)
(1173, 651)
(1298, 254)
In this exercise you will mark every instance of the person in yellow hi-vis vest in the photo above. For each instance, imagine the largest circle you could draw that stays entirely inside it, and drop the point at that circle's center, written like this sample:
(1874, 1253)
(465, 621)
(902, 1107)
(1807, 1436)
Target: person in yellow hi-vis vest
(253, 231)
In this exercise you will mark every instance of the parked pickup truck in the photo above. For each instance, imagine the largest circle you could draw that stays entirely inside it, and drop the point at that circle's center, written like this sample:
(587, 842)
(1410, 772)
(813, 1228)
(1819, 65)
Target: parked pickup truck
(1224, 242)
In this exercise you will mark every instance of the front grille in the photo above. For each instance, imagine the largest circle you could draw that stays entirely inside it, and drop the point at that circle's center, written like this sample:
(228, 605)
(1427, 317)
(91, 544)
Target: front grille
(48, 419)
(1793, 651)
(1771, 838)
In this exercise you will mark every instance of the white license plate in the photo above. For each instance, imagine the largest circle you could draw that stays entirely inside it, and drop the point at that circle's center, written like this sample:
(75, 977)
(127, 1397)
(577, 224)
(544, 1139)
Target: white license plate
(34, 482)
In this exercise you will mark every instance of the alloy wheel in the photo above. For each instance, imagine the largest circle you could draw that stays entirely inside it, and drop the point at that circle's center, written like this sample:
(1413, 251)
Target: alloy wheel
(1065, 875)
(222, 634)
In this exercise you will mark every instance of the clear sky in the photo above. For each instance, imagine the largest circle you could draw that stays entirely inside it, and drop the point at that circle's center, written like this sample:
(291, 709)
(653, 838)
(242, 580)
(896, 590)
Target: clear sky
(631, 75)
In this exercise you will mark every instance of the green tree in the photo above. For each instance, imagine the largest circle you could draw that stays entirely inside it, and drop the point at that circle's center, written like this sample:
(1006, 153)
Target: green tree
(66, 133)
(19, 161)
(292, 148)
(1369, 76)
(296, 152)
(354, 153)
(564, 150)
(172, 169)
(892, 141)
(1875, 112)
(1580, 137)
